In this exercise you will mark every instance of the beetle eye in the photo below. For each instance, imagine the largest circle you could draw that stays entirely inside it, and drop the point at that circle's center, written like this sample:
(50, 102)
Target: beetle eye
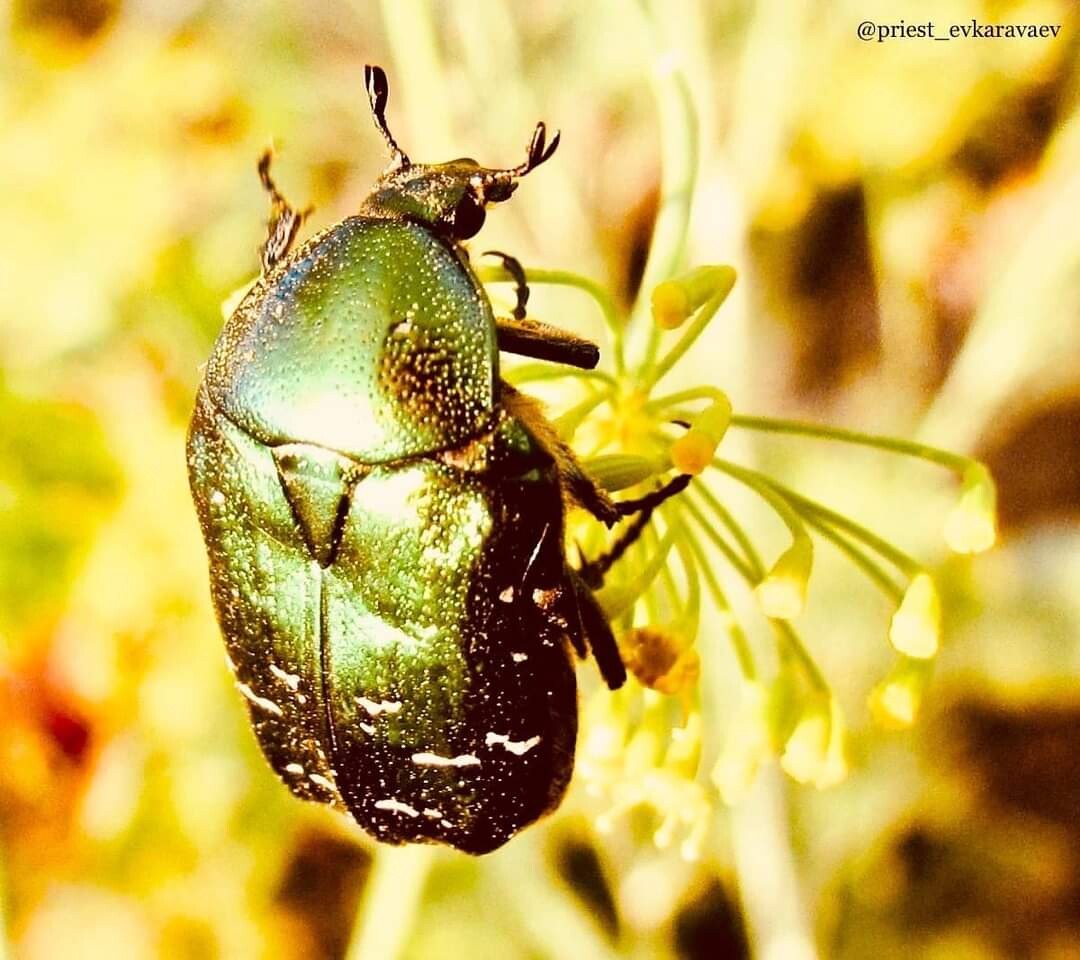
(467, 219)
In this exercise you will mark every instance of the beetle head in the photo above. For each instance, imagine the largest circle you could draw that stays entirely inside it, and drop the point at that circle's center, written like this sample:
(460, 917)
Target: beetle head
(450, 196)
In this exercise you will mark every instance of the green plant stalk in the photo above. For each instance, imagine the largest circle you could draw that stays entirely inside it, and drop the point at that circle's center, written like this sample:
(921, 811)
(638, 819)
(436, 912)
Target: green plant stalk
(725, 516)
(412, 35)
(774, 498)
(860, 558)
(532, 372)
(793, 645)
(946, 458)
(797, 648)
(691, 615)
(739, 641)
(616, 599)
(694, 393)
(667, 579)
(567, 423)
(905, 563)
(744, 569)
(565, 278)
(653, 373)
(391, 901)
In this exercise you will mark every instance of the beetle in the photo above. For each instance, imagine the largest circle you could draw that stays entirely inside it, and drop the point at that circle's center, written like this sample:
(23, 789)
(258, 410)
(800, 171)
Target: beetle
(384, 516)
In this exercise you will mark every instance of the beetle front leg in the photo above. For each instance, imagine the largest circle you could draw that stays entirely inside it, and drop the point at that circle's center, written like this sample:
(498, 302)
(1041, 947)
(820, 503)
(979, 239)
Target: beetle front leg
(285, 221)
(530, 338)
(641, 509)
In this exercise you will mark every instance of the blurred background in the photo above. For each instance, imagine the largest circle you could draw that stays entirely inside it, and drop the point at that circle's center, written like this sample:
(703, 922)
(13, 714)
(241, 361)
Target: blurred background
(905, 219)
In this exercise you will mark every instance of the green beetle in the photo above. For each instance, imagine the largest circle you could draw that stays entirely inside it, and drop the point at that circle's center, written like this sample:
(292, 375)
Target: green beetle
(384, 517)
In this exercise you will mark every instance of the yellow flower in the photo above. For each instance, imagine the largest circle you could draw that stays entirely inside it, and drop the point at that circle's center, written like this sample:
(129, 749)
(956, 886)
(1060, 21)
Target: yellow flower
(694, 450)
(971, 526)
(674, 300)
(816, 751)
(782, 593)
(896, 700)
(916, 626)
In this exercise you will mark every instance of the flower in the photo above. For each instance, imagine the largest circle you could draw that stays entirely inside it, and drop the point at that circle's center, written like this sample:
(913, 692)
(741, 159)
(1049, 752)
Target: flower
(896, 700)
(782, 593)
(916, 626)
(971, 526)
(694, 450)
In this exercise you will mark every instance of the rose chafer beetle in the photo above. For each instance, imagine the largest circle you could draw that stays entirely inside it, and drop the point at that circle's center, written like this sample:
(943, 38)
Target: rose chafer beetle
(384, 516)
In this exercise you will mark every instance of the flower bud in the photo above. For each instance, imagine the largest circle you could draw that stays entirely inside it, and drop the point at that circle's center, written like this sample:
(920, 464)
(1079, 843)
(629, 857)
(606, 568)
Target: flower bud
(673, 301)
(694, 450)
(896, 700)
(806, 749)
(916, 626)
(816, 750)
(971, 526)
(782, 593)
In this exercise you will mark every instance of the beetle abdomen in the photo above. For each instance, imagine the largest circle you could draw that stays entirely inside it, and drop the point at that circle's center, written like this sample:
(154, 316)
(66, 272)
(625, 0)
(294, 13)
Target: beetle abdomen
(352, 344)
(393, 634)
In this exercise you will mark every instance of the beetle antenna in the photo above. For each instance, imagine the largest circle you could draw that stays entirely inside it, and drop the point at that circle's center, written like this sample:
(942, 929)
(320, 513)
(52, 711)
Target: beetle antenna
(539, 152)
(378, 91)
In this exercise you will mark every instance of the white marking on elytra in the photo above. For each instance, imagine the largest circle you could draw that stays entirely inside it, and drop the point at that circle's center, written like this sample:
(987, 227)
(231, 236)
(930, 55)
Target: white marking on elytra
(320, 781)
(396, 806)
(291, 680)
(535, 553)
(368, 728)
(519, 657)
(294, 768)
(434, 760)
(516, 747)
(543, 598)
(301, 699)
(268, 705)
(432, 812)
(383, 706)
(217, 498)
(507, 596)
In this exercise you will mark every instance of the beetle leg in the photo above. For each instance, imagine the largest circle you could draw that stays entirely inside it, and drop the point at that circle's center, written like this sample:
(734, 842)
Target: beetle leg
(541, 341)
(578, 486)
(598, 635)
(521, 286)
(592, 573)
(285, 220)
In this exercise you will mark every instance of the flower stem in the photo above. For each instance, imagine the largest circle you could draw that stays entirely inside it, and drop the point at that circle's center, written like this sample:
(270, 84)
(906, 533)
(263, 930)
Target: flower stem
(694, 393)
(859, 557)
(905, 563)
(753, 559)
(742, 567)
(759, 483)
(739, 641)
(946, 458)
(653, 373)
(795, 646)
(679, 162)
(391, 901)
(531, 372)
